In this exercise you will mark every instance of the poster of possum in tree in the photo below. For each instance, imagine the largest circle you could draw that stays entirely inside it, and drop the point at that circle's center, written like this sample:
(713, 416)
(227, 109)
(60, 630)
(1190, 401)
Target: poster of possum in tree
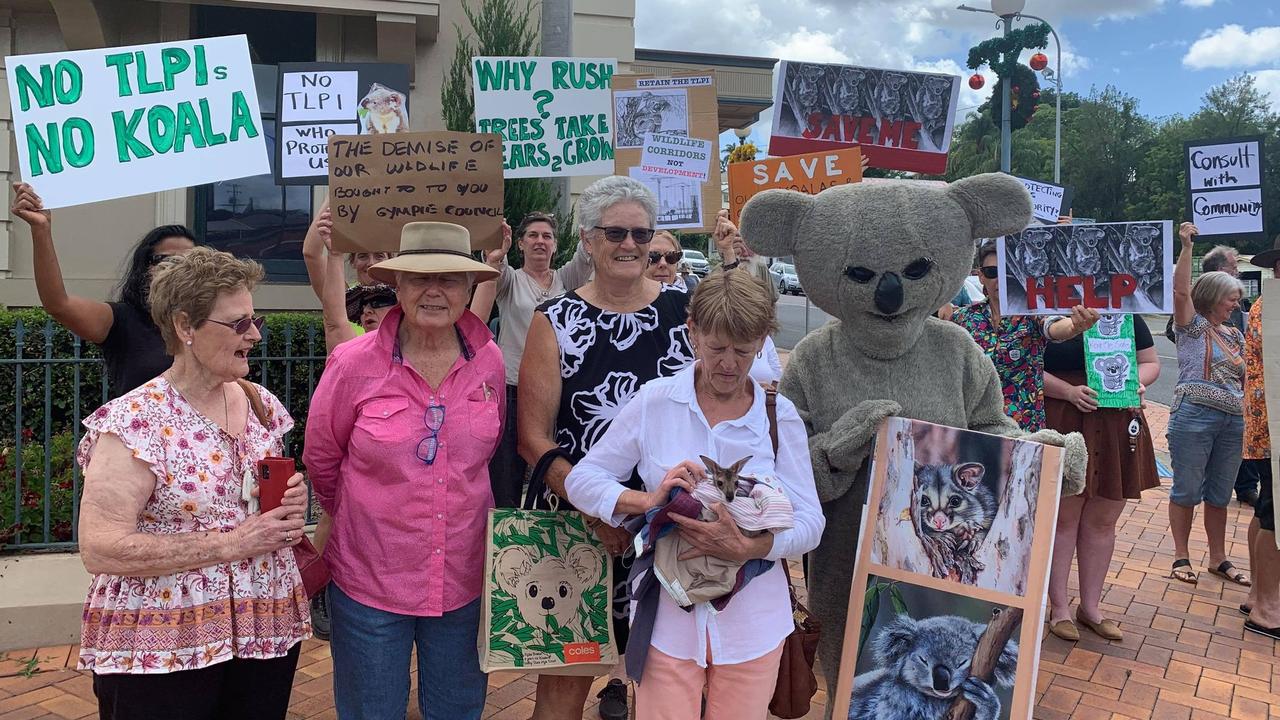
(953, 564)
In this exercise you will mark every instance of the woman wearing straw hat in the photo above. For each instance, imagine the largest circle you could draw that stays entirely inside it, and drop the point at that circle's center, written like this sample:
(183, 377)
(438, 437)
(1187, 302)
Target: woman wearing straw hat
(399, 436)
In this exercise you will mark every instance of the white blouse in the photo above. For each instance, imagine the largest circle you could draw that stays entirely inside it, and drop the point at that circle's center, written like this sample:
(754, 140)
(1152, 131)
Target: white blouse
(663, 426)
(767, 367)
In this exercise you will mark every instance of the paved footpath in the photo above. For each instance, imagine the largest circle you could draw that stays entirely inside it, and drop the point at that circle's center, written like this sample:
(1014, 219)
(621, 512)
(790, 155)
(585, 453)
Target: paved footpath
(1185, 655)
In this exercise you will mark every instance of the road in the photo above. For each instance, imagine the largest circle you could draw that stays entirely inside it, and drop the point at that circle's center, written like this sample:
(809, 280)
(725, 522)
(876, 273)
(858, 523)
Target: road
(791, 318)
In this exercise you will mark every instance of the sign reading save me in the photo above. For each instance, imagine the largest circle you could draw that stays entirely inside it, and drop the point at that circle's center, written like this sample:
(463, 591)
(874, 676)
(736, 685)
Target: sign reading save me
(100, 124)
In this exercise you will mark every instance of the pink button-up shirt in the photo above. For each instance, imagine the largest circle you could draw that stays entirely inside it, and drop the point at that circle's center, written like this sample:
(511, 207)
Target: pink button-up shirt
(408, 537)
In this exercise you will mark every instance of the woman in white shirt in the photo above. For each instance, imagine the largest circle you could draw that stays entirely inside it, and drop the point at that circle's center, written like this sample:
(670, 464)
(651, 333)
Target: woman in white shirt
(711, 408)
(767, 367)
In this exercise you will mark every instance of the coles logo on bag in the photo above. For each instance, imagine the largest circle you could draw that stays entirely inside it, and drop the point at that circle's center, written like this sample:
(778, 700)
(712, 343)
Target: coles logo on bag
(586, 652)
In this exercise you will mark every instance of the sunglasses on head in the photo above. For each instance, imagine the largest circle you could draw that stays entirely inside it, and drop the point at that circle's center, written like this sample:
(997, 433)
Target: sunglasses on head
(241, 326)
(672, 257)
(990, 272)
(618, 234)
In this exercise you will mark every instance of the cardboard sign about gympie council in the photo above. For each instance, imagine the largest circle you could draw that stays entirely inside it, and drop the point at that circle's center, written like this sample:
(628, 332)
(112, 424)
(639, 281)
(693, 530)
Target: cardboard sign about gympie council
(553, 113)
(101, 124)
(379, 183)
(810, 173)
(1225, 181)
(668, 137)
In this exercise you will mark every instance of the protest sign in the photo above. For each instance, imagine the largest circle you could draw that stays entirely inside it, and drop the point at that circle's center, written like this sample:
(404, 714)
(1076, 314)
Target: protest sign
(1271, 379)
(1114, 267)
(902, 119)
(952, 569)
(1225, 187)
(810, 173)
(317, 100)
(378, 183)
(1048, 201)
(554, 113)
(677, 115)
(100, 124)
(1111, 361)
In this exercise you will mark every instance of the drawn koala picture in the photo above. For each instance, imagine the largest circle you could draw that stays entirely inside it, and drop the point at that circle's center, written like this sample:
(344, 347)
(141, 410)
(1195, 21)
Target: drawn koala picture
(546, 586)
(1114, 371)
(923, 667)
(1109, 326)
(382, 111)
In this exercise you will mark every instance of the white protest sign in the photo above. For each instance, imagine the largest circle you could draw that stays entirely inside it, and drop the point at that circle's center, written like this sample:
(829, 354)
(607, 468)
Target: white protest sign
(1225, 187)
(1226, 165)
(555, 115)
(100, 124)
(316, 96)
(304, 149)
(676, 156)
(1048, 201)
(1227, 212)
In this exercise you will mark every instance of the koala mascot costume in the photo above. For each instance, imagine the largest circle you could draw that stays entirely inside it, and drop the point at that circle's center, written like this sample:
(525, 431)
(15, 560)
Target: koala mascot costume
(881, 259)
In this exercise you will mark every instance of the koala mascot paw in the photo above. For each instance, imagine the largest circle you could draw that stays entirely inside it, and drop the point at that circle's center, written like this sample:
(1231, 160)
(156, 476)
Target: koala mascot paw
(851, 435)
(1075, 457)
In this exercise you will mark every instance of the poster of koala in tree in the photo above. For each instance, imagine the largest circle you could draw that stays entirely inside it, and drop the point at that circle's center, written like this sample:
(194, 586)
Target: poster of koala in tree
(1111, 361)
(953, 564)
(546, 601)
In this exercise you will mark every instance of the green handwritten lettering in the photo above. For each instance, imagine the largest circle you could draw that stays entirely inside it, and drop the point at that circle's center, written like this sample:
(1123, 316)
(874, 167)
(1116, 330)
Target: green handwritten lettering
(121, 62)
(176, 61)
(241, 117)
(188, 127)
(43, 148)
(126, 143)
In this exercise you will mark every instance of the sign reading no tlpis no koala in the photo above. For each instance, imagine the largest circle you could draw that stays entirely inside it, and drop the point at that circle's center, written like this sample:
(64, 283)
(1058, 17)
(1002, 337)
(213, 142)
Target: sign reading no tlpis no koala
(100, 124)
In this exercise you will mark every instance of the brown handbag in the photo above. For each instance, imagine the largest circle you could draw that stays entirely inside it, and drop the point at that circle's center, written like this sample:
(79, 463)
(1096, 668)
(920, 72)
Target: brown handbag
(796, 681)
(314, 570)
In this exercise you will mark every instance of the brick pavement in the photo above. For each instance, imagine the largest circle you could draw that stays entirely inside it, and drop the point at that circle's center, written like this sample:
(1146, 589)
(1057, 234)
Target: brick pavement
(1185, 655)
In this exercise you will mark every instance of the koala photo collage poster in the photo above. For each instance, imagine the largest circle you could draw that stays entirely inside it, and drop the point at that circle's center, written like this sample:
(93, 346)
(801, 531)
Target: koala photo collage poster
(1124, 267)
(948, 591)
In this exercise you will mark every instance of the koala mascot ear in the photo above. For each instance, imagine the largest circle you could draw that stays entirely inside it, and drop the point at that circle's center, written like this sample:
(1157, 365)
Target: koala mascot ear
(585, 562)
(1007, 664)
(997, 204)
(512, 563)
(896, 640)
(771, 220)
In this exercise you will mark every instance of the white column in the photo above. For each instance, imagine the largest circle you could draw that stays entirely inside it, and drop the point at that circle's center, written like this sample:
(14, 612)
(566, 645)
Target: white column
(172, 205)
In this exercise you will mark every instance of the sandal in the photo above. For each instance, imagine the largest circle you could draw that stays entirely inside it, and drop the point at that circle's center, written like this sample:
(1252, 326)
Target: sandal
(1253, 627)
(1231, 573)
(1245, 609)
(1182, 571)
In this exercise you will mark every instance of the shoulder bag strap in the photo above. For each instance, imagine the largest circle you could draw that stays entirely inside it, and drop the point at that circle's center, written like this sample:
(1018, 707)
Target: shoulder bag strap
(255, 401)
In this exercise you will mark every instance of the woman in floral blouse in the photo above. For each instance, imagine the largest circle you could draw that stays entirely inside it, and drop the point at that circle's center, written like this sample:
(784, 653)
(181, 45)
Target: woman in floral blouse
(1016, 343)
(196, 609)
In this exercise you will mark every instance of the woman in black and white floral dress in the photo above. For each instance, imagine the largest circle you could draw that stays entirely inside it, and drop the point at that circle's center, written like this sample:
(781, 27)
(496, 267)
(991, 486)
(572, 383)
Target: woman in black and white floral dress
(587, 354)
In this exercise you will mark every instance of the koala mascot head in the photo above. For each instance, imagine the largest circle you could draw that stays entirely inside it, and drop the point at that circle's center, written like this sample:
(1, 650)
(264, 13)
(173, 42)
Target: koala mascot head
(885, 257)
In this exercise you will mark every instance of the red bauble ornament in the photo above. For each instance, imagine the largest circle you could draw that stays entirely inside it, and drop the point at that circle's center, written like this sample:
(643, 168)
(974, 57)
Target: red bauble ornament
(1039, 61)
(1035, 95)
(976, 81)
(1017, 90)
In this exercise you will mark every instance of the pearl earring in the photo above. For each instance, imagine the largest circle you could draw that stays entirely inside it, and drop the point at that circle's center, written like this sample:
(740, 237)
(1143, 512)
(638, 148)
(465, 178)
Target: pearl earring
(188, 342)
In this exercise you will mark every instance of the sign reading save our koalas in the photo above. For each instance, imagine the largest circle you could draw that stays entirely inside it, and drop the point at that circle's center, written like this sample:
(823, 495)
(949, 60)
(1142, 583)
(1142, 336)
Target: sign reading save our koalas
(547, 595)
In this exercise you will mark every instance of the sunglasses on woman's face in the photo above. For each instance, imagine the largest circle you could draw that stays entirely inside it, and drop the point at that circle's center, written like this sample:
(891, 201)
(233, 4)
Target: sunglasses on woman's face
(672, 257)
(381, 302)
(990, 272)
(618, 234)
(157, 259)
(241, 326)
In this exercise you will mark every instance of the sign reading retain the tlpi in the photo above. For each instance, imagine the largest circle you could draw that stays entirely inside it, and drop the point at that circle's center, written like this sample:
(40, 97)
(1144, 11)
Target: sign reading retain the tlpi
(100, 124)
(1224, 193)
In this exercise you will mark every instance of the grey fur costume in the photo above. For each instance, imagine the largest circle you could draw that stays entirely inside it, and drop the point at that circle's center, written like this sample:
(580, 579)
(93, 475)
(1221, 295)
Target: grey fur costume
(884, 353)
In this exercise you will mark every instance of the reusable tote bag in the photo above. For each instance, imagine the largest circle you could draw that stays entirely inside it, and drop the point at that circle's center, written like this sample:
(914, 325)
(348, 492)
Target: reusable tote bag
(547, 596)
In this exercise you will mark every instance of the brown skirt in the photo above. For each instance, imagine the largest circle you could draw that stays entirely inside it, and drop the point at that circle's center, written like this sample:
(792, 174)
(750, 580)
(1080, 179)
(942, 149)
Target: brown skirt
(1120, 467)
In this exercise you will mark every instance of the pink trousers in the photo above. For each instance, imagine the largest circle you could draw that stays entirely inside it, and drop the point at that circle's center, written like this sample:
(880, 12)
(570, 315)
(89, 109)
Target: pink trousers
(672, 689)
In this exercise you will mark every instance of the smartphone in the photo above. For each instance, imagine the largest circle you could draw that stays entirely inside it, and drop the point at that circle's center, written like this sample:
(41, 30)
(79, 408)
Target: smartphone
(273, 480)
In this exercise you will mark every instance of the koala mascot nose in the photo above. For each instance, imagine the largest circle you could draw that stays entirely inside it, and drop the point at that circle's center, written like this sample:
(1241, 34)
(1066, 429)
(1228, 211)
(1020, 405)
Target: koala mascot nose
(889, 293)
(941, 678)
(548, 603)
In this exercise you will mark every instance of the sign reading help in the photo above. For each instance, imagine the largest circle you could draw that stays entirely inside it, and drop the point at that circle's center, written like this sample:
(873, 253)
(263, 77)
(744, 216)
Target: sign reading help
(379, 183)
(811, 174)
(101, 124)
(1111, 361)
(554, 114)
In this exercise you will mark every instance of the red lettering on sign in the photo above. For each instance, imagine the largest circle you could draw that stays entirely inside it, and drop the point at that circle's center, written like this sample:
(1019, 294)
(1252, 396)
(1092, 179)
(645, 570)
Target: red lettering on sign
(1066, 291)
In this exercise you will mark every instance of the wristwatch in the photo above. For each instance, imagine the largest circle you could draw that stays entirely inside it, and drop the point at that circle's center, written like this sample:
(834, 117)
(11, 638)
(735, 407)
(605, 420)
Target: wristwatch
(730, 266)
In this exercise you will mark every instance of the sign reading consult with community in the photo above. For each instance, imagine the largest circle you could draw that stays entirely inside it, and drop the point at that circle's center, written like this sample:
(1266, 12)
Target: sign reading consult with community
(100, 124)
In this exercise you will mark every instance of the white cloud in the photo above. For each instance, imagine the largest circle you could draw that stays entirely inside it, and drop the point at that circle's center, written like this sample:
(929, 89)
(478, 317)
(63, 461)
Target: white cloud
(1269, 82)
(1233, 46)
(1198, 3)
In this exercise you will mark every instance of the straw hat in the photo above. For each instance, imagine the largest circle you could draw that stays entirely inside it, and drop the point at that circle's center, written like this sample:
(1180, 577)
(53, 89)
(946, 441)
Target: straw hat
(433, 247)
(1267, 258)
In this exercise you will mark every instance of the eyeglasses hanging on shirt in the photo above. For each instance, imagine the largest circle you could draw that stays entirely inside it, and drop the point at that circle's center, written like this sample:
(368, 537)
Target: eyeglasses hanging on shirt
(427, 448)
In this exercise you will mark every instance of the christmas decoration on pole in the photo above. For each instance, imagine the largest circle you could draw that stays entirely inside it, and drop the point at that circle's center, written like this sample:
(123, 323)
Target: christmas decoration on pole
(1039, 61)
(1001, 54)
(976, 81)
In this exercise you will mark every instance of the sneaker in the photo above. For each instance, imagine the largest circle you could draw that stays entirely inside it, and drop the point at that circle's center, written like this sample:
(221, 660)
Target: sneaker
(613, 701)
(320, 615)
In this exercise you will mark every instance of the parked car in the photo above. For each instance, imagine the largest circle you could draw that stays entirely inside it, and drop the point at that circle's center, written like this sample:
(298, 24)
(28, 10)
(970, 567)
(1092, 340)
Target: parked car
(788, 283)
(697, 262)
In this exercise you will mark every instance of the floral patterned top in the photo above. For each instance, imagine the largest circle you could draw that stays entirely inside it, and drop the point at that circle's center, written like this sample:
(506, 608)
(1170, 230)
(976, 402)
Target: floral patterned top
(255, 608)
(1257, 438)
(1017, 350)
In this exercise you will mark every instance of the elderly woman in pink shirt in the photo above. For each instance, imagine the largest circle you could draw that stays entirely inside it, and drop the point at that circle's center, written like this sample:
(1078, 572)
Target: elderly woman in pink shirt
(399, 436)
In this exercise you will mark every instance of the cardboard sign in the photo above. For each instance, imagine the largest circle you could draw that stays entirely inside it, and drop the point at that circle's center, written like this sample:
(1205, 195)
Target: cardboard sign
(319, 100)
(902, 119)
(553, 113)
(952, 568)
(810, 173)
(1111, 361)
(678, 114)
(100, 124)
(1113, 267)
(1271, 376)
(1225, 187)
(379, 183)
(1048, 201)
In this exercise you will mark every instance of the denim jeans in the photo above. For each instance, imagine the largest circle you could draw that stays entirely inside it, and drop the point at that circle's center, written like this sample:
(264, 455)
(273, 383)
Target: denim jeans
(1205, 446)
(371, 650)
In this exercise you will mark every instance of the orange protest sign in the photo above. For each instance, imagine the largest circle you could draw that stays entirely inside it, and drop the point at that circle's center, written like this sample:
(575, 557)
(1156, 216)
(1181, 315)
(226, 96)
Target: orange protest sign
(809, 173)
